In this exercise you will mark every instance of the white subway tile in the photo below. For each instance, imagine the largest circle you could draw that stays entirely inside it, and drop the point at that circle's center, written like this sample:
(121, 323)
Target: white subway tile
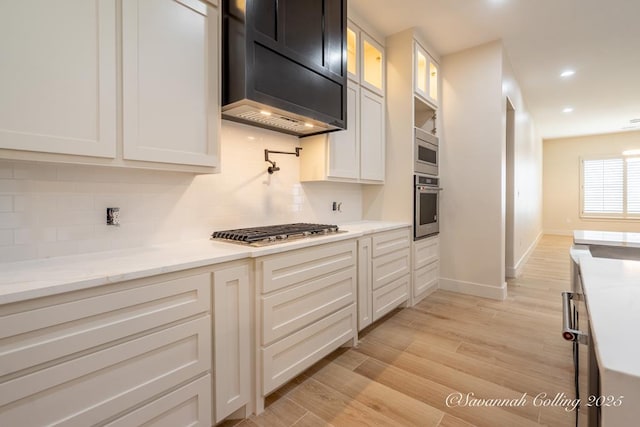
(76, 202)
(18, 253)
(56, 249)
(12, 220)
(84, 232)
(23, 236)
(6, 237)
(6, 203)
(21, 203)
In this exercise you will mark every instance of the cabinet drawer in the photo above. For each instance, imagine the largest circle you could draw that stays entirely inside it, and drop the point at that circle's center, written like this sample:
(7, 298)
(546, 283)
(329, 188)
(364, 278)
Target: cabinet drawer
(282, 270)
(425, 252)
(390, 267)
(390, 241)
(390, 296)
(425, 279)
(294, 308)
(187, 406)
(47, 332)
(94, 387)
(288, 357)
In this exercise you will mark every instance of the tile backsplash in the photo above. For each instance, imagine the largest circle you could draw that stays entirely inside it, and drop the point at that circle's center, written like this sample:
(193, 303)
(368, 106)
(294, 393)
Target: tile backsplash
(51, 210)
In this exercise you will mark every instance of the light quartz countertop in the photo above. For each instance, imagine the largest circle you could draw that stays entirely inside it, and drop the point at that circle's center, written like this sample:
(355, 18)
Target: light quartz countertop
(607, 238)
(25, 280)
(612, 291)
(611, 285)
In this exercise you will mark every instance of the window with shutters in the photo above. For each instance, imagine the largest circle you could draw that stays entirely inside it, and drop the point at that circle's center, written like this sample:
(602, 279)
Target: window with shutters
(610, 187)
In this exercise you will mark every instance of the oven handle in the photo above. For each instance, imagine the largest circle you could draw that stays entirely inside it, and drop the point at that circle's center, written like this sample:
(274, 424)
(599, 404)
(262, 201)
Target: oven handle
(568, 331)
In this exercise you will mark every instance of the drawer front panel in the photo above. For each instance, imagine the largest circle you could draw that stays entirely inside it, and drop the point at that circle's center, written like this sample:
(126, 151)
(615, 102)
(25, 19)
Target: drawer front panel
(96, 386)
(280, 271)
(390, 267)
(294, 308)
(390, 241)
(425, 279)
(188, 406)
(389, 297)
(425, 252)
(31, 337)
(290, 356)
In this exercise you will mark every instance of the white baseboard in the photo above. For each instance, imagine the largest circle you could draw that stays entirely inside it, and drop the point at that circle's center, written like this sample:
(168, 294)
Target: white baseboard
(558, 232)
(517, 270)
(476, 289)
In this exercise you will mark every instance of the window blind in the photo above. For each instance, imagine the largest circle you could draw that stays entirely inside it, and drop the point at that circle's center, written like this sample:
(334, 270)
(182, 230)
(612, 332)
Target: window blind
(633, 186)
(603, 186)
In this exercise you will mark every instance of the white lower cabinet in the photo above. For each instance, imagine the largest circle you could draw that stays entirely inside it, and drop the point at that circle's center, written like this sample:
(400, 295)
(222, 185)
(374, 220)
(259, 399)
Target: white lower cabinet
(86, 357)
(384, 274)
(232, 339)
(306, 310)
(184, 407)
(426, 267)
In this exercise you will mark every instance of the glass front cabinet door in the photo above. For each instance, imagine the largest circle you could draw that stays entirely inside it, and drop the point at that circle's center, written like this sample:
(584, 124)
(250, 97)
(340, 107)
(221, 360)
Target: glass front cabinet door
(425, 75)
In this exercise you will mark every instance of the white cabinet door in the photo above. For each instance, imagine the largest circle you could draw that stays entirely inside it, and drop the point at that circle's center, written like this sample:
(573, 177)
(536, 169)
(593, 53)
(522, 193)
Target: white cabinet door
(425, 74)
(373, 64)
(344, 146)
(372, 136)
(58, 76)
(232, 334)
(170, 81)
(365, 280)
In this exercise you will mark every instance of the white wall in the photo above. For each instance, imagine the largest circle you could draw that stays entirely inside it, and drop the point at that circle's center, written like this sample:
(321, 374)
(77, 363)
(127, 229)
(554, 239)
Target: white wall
(471, 170)
(52, 210)
(476, 83)
(527, 176)
(562, 181)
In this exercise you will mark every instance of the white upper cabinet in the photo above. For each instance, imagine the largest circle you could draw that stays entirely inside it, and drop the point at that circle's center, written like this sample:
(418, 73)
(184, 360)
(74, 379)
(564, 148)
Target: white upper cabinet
(356, 154)
(344, 146)
(372, 137)
(58, 76)
(170, 81)
(425, 75)
(59, 100)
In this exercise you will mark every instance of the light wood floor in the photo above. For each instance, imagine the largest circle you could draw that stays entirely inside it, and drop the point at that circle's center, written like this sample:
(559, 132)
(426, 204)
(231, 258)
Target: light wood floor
(406, 365)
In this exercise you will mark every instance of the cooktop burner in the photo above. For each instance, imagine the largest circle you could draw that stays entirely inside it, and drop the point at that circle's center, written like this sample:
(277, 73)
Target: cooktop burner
(259, 236)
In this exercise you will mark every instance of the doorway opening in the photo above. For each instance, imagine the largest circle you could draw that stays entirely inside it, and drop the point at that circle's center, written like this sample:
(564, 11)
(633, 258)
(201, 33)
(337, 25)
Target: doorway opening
(510, 268)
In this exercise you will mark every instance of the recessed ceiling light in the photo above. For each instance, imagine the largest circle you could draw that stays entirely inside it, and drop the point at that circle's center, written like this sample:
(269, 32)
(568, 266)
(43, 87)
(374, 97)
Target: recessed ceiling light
(567, 110)
(567, 73)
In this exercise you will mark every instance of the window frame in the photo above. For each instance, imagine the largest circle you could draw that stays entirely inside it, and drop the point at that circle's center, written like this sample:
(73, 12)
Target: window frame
(624, 216)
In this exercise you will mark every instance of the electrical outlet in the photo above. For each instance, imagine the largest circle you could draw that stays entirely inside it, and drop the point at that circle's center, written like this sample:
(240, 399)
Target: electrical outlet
(113, 216)
(336, 206)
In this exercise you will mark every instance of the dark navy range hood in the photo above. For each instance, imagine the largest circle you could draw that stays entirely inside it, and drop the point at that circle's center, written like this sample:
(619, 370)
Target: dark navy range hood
(284, 64)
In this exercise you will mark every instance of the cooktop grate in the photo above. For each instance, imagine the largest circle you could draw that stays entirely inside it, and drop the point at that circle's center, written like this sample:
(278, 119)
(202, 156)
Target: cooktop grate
(274, 233)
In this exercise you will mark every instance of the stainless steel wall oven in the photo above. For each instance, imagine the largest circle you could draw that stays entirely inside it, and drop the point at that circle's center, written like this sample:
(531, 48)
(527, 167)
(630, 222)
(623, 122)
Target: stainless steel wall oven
(426, 205)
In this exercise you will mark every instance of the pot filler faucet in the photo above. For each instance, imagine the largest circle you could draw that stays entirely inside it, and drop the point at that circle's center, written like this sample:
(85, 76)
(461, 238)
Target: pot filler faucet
(273, 168)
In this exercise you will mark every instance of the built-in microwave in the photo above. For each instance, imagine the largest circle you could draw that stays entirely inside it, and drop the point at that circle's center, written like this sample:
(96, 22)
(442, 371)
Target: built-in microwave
(425, 153)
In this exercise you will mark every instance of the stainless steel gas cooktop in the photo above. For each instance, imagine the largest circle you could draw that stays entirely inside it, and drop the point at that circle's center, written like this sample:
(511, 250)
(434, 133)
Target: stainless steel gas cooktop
(260, 236)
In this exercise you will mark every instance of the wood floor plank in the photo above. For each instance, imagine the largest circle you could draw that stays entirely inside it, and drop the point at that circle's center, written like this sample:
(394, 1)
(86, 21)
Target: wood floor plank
(335, 407)
(410, 361)
(391, 403)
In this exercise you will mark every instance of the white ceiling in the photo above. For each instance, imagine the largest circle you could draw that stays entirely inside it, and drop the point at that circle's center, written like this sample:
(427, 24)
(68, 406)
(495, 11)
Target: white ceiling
(600, 40)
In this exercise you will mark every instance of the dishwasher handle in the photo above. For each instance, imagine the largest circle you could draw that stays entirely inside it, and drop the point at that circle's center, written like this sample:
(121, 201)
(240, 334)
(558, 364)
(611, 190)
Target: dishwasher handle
(569, 332)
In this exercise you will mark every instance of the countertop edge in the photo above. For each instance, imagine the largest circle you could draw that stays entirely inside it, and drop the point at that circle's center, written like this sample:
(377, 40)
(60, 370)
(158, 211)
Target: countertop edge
(155, 260)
